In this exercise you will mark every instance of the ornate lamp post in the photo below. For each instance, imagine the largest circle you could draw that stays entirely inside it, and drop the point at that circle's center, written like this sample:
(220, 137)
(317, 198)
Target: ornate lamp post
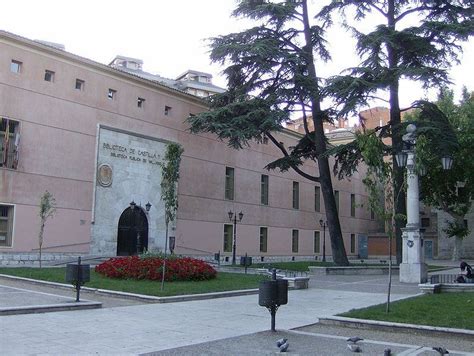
(323, 225)
(233, 217)
(413, 267)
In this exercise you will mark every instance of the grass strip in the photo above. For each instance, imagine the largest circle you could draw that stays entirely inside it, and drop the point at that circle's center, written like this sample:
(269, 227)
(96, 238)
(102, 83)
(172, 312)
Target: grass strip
(223, 282)
(452, 310)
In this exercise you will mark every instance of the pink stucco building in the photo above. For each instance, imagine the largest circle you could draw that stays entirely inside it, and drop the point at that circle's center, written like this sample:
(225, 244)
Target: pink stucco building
(92, 135)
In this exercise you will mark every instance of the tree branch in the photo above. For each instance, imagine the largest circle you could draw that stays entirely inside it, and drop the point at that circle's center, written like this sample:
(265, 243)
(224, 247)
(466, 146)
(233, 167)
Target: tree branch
(286, 154)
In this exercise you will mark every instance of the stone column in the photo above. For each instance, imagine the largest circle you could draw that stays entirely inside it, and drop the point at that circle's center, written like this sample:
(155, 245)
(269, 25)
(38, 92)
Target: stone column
(413, 267)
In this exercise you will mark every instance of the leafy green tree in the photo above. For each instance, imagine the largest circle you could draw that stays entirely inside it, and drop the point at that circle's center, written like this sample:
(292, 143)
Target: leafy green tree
(47, 209)
(450, 191)
(271, 75)
(414, 40)
(169, 193)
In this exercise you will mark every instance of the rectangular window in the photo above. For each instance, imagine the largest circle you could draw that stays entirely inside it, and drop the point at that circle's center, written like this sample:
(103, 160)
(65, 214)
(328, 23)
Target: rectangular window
(353, 243)
(296, 195)
(9, 143)
(294, 241)
(15, 66)
(264, 189)
(425, 222)
(167, 110)
(336, 198)
(140, 102)
(49, 76)
(317, 242)
(229, 183)
(317, 199)
(112, 94)
(372, 214)
(228, 231)
(353, 205)
(6, 225)
(80, 84)
(263, 239)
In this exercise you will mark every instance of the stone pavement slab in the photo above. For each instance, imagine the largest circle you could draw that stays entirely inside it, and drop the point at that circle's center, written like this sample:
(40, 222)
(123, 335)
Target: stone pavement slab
(152, 327)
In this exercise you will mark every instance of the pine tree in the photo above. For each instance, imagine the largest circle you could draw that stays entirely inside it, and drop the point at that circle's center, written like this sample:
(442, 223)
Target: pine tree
(271, 75)
(393, 51)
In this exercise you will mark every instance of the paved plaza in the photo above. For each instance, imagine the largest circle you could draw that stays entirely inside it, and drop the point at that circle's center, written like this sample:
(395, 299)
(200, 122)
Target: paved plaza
(225, 326)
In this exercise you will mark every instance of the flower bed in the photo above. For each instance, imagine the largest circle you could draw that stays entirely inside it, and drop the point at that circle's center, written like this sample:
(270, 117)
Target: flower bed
(136, 267)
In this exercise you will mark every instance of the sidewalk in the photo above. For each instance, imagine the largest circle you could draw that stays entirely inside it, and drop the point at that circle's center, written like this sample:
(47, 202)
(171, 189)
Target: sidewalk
(153, 327)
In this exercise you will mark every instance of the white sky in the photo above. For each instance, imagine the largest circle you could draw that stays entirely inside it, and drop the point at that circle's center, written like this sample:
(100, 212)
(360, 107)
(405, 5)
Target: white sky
(168, 35)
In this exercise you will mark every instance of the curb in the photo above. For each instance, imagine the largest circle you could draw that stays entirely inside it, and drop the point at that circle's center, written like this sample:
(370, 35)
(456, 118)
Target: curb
(140, 297)
(34, 309)
(390, 326)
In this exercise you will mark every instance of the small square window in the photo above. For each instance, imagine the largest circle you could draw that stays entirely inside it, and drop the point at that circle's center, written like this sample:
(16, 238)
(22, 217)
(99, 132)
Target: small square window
(112, 94)
(49, 76)
(140, 102)
(80, 84)
(425, 222)
(167, 110)
(15, 66)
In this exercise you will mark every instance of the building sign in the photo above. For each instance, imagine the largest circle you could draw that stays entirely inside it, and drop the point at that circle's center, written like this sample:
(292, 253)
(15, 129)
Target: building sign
(131, 153)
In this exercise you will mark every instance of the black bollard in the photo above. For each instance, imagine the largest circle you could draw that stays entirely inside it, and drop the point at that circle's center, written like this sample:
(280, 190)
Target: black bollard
(79, 278)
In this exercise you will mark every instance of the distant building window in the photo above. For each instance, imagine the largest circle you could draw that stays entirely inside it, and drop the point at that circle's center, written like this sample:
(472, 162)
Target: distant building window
(466, 224)
(425, 222)
(296, 195)
(317, 242)
(9, 143)
(372, 214)
(140, 102)
(294, 241)
(80, 84)
(353, 243)
(353, 205)
(228, 231)
(263, 239)
(167, 110)
(15, 66)
(229, 183)
(112, 94)
(264, 189)
(6, 225)
(49, 76)
(336, 198)
(317, 199)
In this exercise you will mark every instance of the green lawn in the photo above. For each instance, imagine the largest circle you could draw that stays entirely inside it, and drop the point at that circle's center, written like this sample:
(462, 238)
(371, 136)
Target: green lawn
(453, 310)
(223, 282)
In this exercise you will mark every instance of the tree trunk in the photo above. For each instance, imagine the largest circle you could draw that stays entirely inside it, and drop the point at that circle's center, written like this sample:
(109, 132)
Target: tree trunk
(337, 242)
(40, 240)
(457, 250)
(397, 143)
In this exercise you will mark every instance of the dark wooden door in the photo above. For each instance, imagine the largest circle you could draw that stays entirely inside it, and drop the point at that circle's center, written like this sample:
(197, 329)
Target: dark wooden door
(132, 236)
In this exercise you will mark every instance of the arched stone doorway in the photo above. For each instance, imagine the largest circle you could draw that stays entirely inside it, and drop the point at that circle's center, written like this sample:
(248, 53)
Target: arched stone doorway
(132, 237)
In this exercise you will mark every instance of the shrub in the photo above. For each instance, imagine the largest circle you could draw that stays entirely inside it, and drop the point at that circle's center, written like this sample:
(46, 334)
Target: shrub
(136, 267)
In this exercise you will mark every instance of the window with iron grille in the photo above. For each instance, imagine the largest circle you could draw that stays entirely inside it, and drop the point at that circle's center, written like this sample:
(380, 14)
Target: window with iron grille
(317, 199)
(317, 242)
(264, 189)
(353, 243)
(229, 183)
(263, 239)
(6, 225)
(296, 195)
(294, 241)
(9, 143)
(228, 231)
(353, 205)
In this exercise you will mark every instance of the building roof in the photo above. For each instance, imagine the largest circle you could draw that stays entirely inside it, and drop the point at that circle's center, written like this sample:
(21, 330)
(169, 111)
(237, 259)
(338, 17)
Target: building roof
(48, 48)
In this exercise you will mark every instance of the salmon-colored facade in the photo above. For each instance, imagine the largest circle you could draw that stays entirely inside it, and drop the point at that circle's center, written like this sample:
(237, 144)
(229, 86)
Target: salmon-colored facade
(84, 137)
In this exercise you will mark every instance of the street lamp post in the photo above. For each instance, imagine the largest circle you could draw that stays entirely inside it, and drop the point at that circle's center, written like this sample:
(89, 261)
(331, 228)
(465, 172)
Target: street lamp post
(233, 217)
(413, 267)
(323, 225)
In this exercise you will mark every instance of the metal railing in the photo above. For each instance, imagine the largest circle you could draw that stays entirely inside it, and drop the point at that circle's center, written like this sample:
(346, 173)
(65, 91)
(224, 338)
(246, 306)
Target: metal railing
(443, 278)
